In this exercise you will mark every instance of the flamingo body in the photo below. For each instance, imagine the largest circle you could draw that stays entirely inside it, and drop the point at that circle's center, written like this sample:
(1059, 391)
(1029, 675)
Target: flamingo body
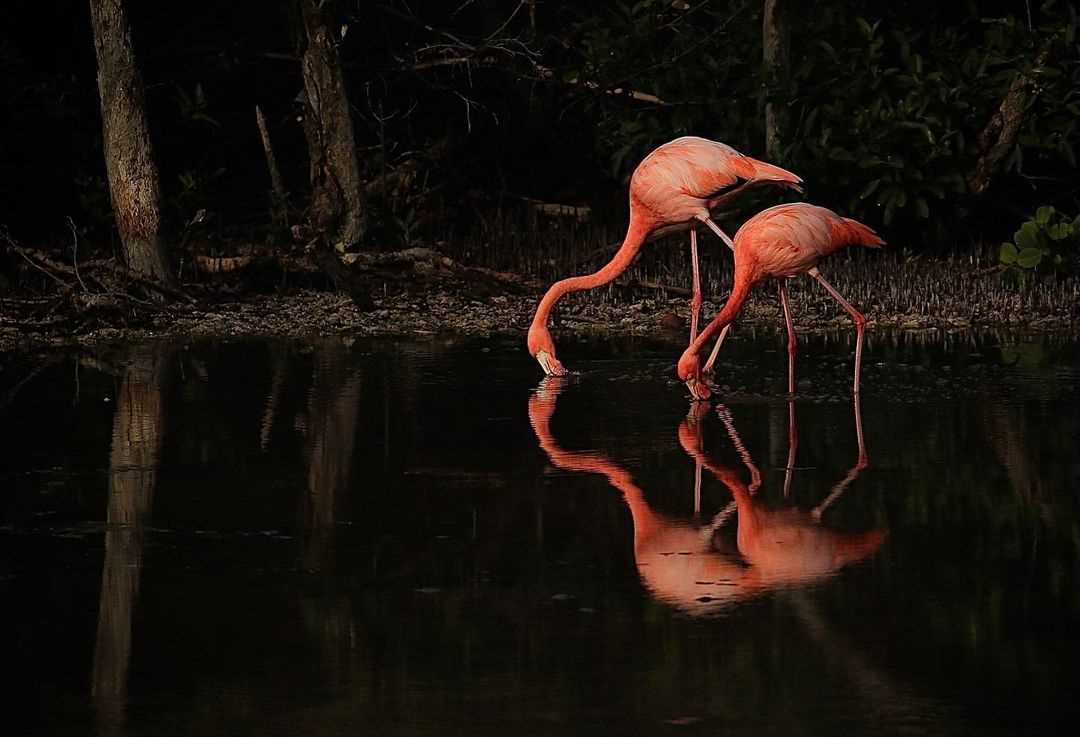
(674, 187)
(787, 240)
(683, 180)
(782, 242)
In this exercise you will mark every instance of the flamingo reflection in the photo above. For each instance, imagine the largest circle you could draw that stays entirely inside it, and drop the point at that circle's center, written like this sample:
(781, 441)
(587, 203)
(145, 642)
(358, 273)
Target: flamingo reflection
(684, 562)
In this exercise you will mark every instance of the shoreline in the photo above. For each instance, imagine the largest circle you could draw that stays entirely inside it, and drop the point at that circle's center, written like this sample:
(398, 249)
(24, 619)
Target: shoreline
(302, 314)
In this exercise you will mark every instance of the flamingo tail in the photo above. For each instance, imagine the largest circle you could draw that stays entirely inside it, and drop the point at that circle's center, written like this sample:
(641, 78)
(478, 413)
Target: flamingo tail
(769, 173)
(853, 548)
(852, 232)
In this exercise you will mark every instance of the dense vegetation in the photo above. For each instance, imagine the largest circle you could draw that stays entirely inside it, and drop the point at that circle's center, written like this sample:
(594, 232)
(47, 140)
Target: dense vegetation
(896, 113)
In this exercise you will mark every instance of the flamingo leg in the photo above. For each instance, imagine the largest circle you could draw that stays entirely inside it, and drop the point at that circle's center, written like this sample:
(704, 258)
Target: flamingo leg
(718, 521)
(793, 444)
(856, 316)
(695, 300)
(692, 444)
(744, 454)
(708, 367)
(790, 337)
(863, 462)
(864, 457)
(716, 229)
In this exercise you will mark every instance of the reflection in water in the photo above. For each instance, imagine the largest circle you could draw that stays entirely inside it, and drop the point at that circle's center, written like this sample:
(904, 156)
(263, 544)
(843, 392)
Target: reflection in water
(332, 410)
(333, 406)
(301, 577)
(686, 564)
(138, 427)
(133, 466)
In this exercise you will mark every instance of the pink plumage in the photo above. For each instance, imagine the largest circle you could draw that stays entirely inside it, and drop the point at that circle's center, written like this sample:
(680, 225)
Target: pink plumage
(688, 177)
(674, 188)
(782, 242)
(788, 240)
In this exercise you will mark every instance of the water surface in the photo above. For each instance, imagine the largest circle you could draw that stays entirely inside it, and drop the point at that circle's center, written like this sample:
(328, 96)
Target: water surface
(345, 537)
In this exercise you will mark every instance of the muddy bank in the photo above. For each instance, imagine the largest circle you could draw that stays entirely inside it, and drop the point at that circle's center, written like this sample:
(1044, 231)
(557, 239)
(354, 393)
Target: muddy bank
(614, 310)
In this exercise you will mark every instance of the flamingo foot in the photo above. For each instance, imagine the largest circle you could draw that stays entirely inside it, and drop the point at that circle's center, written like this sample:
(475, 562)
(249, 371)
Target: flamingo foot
(551, 365)
(699, 390)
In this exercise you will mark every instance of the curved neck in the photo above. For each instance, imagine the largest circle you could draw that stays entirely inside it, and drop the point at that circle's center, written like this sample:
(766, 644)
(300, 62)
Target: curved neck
(635, 236)
(743, 282)
(645, 520)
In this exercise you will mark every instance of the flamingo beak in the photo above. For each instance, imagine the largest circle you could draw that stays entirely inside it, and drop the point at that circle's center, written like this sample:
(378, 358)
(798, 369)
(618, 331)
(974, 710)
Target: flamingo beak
(698, 389)
(551, 365)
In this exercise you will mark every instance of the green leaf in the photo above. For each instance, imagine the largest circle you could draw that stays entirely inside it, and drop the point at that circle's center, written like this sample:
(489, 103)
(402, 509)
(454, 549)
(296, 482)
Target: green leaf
(1027, 237)
(921, 208)
(1043, 214)
(1059, 232)
(1029, 257)
(1067, 151)
(1008, 253)
(869, 189)
(839, 153)
(827, 47)
(889, 209)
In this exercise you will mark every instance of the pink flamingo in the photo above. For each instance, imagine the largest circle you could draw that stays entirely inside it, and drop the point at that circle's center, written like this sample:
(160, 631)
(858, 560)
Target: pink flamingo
(673, 188)
(782, 242)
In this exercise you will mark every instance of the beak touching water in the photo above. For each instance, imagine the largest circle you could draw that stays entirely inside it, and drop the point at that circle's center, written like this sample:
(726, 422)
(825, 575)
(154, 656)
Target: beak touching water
(698, 388)
(551, 365)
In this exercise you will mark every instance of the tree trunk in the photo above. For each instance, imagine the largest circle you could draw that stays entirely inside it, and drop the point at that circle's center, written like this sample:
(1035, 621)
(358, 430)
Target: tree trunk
(129, 160)
(279, 198)
(336, 199)
(998, 138)
(776, 45)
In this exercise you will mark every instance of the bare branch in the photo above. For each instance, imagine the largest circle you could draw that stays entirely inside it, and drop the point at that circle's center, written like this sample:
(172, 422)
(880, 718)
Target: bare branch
(999, 136)
(507, 22)
(75, 252)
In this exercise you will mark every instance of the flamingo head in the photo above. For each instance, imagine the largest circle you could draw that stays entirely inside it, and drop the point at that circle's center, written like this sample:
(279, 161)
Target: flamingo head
(542, 348)
(689, 371)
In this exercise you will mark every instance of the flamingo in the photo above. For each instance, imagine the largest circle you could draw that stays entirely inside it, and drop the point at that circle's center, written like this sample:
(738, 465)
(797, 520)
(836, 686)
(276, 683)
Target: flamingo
(782, 242)
(671, 190)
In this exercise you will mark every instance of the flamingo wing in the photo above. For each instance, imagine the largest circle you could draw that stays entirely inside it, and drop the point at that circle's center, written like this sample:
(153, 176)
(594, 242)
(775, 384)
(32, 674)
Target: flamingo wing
(696, 167)
(787, 239)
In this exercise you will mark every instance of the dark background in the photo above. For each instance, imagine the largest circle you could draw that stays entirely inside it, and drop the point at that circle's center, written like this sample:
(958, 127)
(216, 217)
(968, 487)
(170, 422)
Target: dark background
(889, 92)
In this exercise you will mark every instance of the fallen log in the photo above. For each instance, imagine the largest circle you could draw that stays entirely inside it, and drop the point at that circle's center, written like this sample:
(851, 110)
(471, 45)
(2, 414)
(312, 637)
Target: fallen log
(54, 269)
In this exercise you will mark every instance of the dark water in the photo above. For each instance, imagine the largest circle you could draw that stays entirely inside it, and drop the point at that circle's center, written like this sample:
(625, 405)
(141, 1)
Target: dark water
(423, 538)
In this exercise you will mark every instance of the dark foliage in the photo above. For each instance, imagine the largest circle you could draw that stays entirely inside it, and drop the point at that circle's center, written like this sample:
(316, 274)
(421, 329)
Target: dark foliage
(465, 109)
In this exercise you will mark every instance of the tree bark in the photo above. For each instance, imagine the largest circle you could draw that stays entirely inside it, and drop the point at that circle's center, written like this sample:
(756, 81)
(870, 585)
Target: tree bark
(776, 46)
(336, 196)
(279, 198)
(134, 185)
(999, 136)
